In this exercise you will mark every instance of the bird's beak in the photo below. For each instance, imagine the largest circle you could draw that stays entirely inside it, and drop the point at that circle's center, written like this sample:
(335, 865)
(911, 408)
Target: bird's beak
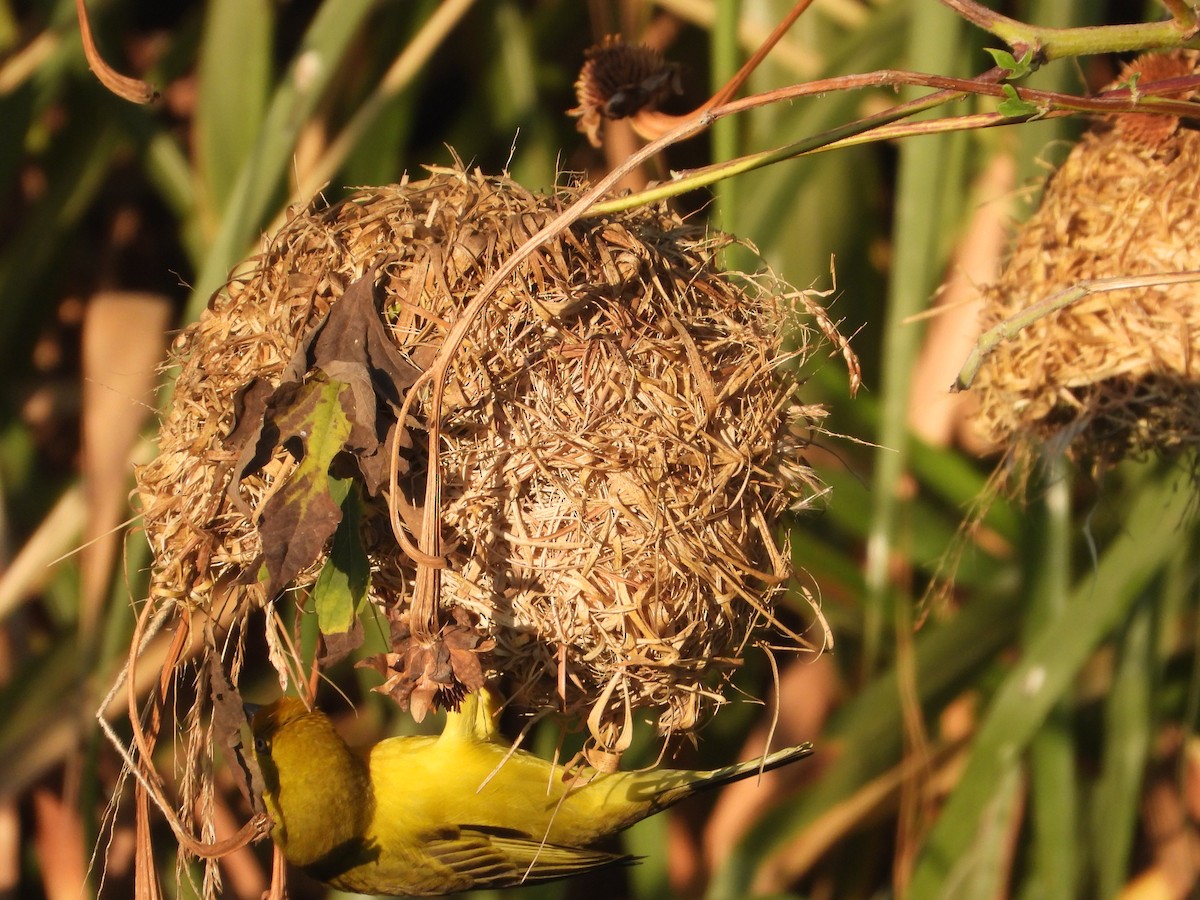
(251, 709)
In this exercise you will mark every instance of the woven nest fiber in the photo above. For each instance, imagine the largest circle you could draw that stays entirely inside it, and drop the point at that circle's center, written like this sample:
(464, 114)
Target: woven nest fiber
(619, 436)
(1113, 374)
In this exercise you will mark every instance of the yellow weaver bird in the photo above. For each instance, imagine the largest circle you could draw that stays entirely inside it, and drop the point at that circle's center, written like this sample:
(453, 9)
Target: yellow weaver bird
(426, 816)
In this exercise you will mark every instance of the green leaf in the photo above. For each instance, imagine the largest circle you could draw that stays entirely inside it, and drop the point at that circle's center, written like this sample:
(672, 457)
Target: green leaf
(929, 178)
(1014, 107)
(1132, 83)
(301, 516)
(234, 76)
(341, 587)
(1053, 802)
(258, 189)
(1014, 68)
(869, 732)
(982, 872)
(1128, 733)
(1003, 58)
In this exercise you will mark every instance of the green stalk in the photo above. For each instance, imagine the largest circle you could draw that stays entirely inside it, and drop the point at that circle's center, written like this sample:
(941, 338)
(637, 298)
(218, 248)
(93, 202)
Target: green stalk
(1047, 669)
(949, 659)
(261, 179)
(1128, 733)
(1055, 862)
(1053, 799)
(719, 172)
(1058, 43)
(724, 61)
(934, 40)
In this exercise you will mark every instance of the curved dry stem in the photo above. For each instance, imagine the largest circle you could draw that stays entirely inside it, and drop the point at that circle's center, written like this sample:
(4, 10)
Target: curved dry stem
(398, 530)
(882, 126)
(144, 743)
(123, 86)
(1015, 324)
(149, 784)
(739, 78)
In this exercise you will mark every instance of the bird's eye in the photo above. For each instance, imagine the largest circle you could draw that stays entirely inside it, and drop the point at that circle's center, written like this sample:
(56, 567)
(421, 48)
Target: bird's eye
(260, 745)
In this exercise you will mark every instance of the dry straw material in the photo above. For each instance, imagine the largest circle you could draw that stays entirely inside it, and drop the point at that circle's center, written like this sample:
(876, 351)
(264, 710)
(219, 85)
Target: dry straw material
(619, 437)
(1113, 374)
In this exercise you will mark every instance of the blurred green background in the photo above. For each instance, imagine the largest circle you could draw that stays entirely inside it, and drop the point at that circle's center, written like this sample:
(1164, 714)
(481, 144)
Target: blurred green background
(1009, 709)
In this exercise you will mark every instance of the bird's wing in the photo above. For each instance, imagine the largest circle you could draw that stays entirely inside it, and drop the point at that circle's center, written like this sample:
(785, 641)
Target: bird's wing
(500, 857)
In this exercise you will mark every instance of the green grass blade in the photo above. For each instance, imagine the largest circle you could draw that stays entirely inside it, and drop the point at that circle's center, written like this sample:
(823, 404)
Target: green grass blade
(724, 61)
(234, 75)
(1046, 670)
(649, 840)
(1054, 800)
(259, 183)
(984, 876)
(805, 212)
(1128, 730)
(868, 730)
(918, 236)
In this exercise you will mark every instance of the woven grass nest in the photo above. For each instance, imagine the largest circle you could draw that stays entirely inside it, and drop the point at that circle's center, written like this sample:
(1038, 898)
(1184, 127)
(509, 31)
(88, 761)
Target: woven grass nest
(1114, 374)
(618, 437)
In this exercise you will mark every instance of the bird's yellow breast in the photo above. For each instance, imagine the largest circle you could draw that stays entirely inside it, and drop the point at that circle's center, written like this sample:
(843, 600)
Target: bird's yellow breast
(480, 784)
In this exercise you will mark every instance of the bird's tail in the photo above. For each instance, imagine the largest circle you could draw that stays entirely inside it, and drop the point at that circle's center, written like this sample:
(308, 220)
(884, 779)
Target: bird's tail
(738, 771)
(669, 786)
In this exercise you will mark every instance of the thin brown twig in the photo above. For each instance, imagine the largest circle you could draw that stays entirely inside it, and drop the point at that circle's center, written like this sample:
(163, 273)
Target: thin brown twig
(123, 86)
(739, 77)
(1110, 101)
(885, 125)
(652, 124)
(1015, 324)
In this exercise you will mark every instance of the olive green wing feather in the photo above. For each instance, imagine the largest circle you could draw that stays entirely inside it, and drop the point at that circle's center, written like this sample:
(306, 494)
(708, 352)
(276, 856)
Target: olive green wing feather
(487, 857)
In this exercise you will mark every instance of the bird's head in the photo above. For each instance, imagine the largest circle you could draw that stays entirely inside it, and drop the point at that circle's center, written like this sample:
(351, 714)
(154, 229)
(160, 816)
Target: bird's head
(267, 721)
(316, 789)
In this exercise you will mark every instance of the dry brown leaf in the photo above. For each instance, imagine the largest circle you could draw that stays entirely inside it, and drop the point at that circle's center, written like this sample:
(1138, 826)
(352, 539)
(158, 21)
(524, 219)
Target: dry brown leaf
(298, 520)
(421, 676)
(124, 334)
(123, 86)
(62, 855)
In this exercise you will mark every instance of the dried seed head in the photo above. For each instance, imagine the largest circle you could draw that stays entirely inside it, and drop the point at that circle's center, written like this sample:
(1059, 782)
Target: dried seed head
(1150, 129)
(620, 80)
